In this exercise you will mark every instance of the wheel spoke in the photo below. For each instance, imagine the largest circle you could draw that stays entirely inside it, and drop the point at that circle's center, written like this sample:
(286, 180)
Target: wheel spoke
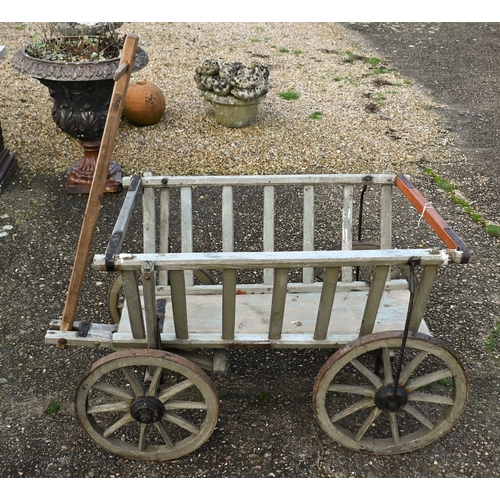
(181, 422)
(163, 433)
(109, 407)
(142, 437)
(117, 425)
(367, 423)
(137, 385)
(430, 378)
(394, 426)
(408, 408)
(174, 390)
(372, 377)
(389, 379)
(431, 398)
(411, 367)
(363, 390)
(153, 386)
(360, 405)
(120, 392)
(185, 405)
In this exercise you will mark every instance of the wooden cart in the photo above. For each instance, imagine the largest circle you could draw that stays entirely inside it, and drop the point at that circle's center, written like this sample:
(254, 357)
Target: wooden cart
(190, 295)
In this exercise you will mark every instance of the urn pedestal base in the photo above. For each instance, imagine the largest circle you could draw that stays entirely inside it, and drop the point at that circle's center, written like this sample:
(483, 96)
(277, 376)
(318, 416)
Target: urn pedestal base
(80, 175)
(8, 164)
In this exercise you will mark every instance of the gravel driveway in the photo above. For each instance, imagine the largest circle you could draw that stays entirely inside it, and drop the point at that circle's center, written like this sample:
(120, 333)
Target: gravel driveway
(266, 424)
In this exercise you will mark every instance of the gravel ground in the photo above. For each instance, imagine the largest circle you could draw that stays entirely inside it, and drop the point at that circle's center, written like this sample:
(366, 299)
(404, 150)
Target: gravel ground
(370, 123)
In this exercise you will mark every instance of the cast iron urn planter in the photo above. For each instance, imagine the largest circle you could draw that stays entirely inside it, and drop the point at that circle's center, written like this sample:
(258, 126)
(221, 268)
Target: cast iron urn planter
(81, 94)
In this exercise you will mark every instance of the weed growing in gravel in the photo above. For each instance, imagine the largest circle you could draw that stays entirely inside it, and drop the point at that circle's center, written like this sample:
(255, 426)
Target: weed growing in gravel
(492, 339)
(290, 95)
(52, 408)
(317, 115)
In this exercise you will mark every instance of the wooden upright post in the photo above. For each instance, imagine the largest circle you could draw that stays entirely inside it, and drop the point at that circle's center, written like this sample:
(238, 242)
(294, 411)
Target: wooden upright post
(122, 78)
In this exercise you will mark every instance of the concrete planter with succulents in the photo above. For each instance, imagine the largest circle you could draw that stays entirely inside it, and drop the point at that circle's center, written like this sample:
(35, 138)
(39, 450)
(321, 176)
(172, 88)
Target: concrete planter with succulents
(233, 89)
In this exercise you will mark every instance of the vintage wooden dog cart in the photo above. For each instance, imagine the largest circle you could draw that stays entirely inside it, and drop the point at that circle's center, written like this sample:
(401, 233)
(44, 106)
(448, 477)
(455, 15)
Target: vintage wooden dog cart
(389, 388)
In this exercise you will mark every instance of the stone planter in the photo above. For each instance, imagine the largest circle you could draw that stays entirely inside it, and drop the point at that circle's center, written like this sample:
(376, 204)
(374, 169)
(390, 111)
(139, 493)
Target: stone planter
(81, 94)
(232, 112)
(233, 89)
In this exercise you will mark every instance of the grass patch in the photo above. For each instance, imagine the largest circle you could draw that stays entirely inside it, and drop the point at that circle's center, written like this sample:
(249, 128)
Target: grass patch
(284, 50)
(317, 115)
(52, 408)
(297, 52)
(492, 339)
(264, 397)
(290, 95)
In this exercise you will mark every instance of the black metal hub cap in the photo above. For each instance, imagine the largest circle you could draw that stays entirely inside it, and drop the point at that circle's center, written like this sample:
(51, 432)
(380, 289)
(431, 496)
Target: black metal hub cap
(386, 400)
(146, 410)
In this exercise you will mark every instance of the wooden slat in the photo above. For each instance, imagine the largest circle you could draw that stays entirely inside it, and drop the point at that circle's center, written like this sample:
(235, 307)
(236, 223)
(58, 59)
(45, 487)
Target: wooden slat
(148, 219)
(268, 228)
(268, 180)
(227, 219)
(326, 302)
(422, 296)
(179, 307)
(187, 227)
(228, 303)
(347, 217)
(149, 289)
(278, 303)
(98, 183)
(308, 229)
(164, 230)
(255, 260)
(386, 217)
(133, 302)
(373, 300)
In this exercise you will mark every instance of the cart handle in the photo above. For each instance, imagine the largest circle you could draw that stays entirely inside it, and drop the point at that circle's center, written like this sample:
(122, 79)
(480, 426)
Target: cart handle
(429, 213)
(118, 235)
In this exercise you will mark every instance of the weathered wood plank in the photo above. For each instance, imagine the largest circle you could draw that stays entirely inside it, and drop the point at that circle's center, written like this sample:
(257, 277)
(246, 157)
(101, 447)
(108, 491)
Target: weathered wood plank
(267, 180)
(228, 303)
(326, 302)
(308, 230)
(187, 227)
(252, 260)
(179, 307)
(164, 230)
(347, 218)
(148, 219)
(227, 219)
(278, 303)
(268, 228)
(134, 306)
(373, 301)
(149, 289)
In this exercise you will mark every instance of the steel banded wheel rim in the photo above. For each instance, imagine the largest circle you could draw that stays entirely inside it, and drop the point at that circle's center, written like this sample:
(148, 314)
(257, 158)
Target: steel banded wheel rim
(147, 404)
(352, 405)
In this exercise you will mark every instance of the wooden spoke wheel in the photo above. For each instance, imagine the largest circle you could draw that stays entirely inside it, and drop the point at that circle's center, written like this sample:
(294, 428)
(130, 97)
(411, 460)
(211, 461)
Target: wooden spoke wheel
(147, 404)
(356, 404)
(116, 295)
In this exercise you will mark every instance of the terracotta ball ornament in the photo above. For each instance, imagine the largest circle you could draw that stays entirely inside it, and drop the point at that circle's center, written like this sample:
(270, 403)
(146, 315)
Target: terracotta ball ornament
(144, 103)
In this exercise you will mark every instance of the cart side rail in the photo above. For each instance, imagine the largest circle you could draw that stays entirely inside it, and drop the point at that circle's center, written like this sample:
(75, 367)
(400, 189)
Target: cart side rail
(156, 191)
(179, 265)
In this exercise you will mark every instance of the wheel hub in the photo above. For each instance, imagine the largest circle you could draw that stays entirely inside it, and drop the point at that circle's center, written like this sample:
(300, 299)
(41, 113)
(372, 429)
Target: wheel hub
(386, 400)
(146, 410)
